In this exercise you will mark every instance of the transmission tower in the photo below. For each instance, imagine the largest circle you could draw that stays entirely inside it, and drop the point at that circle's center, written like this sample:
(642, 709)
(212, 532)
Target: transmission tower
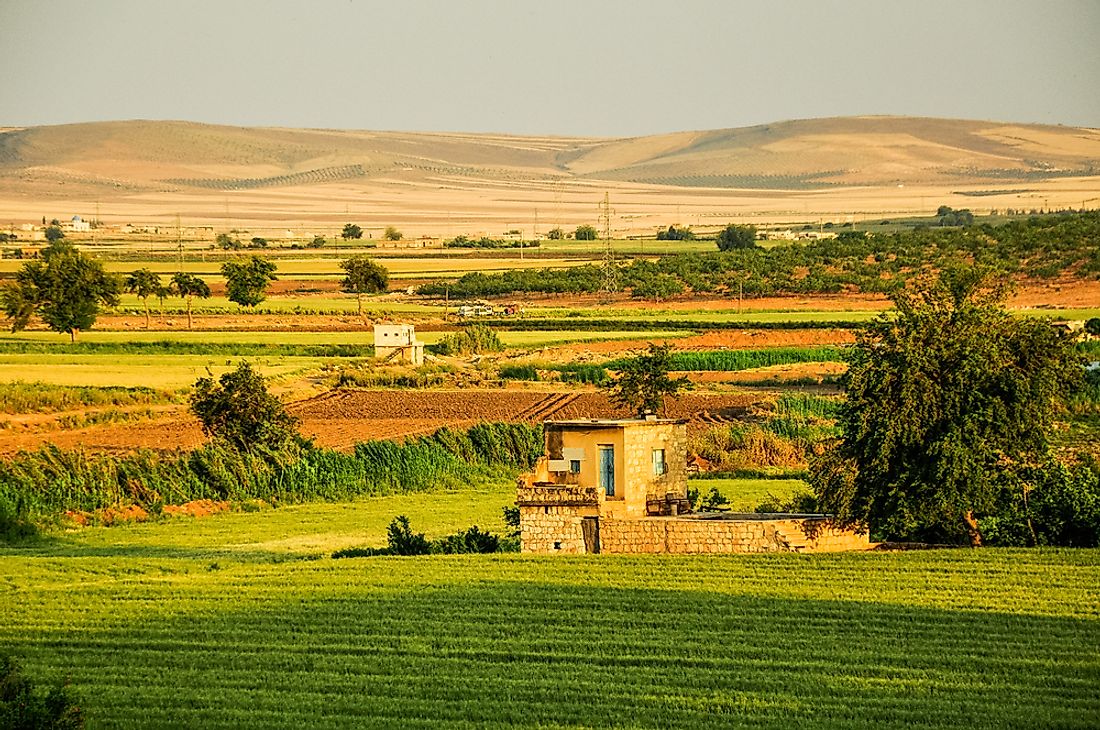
(610, 268)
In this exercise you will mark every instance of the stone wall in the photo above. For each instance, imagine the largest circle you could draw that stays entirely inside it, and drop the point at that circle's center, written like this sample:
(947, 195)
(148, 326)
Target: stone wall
(551, 529)
(689, 535)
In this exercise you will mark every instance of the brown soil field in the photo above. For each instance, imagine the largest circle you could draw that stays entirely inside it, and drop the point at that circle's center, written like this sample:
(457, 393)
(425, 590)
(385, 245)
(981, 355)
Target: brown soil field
(340, 418)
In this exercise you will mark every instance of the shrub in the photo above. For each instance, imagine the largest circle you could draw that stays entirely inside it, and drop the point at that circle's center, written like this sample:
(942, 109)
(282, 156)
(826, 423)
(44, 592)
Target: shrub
(712, 501)
(471, 540)
(403, 541)
(801, 502)
(519, 372)
(21, 707)
(472, 340)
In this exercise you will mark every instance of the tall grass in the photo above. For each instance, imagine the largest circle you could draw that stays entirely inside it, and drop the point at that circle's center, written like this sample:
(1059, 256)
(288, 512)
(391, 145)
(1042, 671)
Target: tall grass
(35, 397)
(472, 340)
(733, 360)
(45, 483)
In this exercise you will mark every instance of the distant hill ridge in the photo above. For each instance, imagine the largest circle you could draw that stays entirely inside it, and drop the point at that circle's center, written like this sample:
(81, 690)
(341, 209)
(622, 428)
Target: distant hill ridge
(795, 155)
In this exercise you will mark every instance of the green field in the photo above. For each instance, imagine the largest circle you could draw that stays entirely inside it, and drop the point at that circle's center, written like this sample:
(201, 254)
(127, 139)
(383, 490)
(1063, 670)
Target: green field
(241, 620)
(745, 494)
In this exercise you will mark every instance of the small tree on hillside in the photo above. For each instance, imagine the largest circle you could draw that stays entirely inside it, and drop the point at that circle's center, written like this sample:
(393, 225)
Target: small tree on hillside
(351, 231)
(238, 409)
(555, 234)
(144, 283)
(189, 286)
(246, 282)
(643, 384)
(363, 277)
(392, 234)
(65, 289)
(949, 399)
(734, 237)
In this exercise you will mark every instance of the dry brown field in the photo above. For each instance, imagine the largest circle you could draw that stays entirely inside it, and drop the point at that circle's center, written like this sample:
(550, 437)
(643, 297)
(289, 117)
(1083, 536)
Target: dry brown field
(340, 418)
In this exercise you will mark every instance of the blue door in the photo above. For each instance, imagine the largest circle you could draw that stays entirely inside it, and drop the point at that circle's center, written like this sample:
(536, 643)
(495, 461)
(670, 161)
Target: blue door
(607, 470)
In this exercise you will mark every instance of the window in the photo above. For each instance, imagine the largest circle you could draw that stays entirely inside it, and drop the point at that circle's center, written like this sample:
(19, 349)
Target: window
(660, 468)
(575, 466)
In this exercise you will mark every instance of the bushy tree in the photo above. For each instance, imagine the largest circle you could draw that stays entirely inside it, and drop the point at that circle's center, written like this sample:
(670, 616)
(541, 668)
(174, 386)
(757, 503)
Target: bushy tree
(350, 232)
(227, 242)
(319, 242)
(734, 237)
(54, 233)
(392, 234)
(643, 384)
(948, 398)
(675, 233)
(189, 286)
(237, 408)
(555, 234)
(586, 233)
(246, 281)
(1092, 326)
(363, 277)
(65, 289)
(144, 283)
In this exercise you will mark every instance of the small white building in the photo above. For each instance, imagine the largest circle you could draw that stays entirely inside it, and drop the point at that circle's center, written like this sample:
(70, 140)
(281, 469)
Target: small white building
(398, 343)
(79, 225)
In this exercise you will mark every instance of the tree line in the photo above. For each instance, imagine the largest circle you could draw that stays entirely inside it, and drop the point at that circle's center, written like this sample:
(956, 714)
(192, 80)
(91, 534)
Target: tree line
(67, 289)
(1039, 247)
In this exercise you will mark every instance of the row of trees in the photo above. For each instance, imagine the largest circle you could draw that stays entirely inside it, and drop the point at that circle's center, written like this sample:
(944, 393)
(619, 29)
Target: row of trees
(67, 289)
(1041, 248)
(353, 232)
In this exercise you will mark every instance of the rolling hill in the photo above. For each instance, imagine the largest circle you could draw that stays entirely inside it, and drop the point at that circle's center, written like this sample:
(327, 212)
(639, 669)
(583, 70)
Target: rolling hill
(440, 181)
(786, 155)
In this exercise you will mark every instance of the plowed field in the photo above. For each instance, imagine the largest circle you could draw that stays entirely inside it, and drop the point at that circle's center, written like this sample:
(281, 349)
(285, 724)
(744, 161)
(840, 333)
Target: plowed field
(339, 418)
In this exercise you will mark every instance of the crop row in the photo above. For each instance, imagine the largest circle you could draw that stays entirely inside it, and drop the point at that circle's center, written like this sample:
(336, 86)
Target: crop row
(996, 639)
(734, 360)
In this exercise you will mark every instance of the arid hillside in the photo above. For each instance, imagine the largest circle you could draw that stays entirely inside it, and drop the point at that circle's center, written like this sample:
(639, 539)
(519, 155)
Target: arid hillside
(439, 182)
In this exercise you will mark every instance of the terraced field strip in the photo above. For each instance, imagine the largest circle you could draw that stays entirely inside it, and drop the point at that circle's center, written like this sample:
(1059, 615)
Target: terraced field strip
(161, 633)
(168, 372)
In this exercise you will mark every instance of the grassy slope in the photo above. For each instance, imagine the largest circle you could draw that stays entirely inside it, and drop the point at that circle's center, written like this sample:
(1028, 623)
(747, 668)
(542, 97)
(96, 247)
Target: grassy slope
(212, 623)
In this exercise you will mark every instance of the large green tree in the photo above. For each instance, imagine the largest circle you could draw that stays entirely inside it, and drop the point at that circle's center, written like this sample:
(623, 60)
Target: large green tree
(949, 399)
(66, 289)
(189, 286)
(144, 283)
(351, 231)
(363, 277)
(586, 233)
(643, 383)
(733, 237)
(239, 409)
(246, 281)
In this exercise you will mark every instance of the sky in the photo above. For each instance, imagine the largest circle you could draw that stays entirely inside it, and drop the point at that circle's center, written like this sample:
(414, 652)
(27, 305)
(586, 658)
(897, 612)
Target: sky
(553, 67)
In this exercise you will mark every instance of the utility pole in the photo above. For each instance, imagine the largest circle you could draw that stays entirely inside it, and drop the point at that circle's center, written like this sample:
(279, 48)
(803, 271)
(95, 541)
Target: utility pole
(179, 241)
(610, 269)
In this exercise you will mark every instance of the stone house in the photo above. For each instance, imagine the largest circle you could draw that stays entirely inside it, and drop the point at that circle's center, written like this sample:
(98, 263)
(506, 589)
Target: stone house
(620, 486)
(398, 343)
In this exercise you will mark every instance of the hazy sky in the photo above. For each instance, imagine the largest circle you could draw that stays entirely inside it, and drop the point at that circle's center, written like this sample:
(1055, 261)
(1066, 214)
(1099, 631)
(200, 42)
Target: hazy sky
(548, 67)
